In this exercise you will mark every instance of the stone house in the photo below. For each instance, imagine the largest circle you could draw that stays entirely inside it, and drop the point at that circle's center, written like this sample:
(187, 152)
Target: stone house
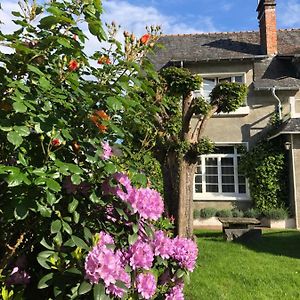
(268, 62)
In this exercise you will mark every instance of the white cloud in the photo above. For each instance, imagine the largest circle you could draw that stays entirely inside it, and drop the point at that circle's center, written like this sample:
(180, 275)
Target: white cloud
(227, 6)
(134, 18)
(6, 17)
(289, 13)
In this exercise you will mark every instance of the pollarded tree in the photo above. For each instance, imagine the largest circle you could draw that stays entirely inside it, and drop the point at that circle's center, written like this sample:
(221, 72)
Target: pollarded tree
(176, 142)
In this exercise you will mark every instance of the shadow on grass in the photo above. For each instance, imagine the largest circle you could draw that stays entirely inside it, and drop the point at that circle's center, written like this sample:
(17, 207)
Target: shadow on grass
(282, 243)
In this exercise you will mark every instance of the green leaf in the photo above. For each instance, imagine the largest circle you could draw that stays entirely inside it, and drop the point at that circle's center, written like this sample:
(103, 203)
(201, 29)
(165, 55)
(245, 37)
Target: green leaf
(73, 205)
(19, 107)
(76, 179)
(114, 103)
(64, 42)
(95, 199)
(14, 179)
(87, 234)
(22, 130)
(55, 226)
(99, 291)
(46, 245)
(74, 169)
(35, 69)
(51, 199)
(84, 288)
(66, 227)
(21, 212)
(45, 281)
(22, 159)
(44, 83)
(44, 210)
(14, 138)
(53, 185)
(110, 168)
(79, 242)
(132, 238)
(43, 262)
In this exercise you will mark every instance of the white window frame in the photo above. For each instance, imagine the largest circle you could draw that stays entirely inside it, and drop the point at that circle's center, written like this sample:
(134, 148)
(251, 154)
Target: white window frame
(221, 196)
(241, 111)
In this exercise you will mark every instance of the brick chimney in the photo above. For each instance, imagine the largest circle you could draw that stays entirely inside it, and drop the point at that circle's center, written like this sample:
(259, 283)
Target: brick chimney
(267, 26)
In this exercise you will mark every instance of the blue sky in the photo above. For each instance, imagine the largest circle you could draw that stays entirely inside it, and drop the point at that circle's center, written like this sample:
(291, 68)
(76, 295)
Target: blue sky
(185, 16)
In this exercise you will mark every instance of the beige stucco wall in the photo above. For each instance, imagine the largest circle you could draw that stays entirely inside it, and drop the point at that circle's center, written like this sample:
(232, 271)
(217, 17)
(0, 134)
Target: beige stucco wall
(248, 128)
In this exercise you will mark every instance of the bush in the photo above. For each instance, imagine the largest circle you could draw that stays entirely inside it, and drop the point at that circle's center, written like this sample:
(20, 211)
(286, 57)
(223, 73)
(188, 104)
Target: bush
(276, 214)
(196, 214)
(208, 212)
(224, 213)
(252, 213)
(237, 213)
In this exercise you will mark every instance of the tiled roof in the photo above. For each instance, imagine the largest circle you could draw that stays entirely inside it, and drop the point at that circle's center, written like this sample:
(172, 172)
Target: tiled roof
(231, 46)
(222, 45)
(290, 126)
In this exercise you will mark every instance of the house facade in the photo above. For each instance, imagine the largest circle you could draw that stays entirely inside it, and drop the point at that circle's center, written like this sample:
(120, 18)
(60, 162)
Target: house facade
(268, 62)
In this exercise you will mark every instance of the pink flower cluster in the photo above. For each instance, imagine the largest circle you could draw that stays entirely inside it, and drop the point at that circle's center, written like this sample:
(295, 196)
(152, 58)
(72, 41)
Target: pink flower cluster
(140, 255)
(146, 285)
(121, 188)
(185, 252)
(107, 151)
(162, 245)
(144, 201)
(147, 202)
(176, 292)
(102, 263)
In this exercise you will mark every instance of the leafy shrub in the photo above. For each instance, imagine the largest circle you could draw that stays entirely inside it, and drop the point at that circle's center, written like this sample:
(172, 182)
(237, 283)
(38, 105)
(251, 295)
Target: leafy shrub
(276, 214)
(208, 212)
(224, 213)
(237, 213)
(266, 168)
(196, 214)
(252, 213)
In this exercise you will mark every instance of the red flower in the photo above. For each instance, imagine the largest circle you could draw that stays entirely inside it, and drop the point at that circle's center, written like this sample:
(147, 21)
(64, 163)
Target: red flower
(145, 38)
(104, 60)
(55, 142)
(102, 114)
(73, 65)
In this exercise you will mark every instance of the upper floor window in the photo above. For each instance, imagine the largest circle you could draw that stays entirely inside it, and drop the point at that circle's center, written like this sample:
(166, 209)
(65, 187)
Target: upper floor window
(210, 81)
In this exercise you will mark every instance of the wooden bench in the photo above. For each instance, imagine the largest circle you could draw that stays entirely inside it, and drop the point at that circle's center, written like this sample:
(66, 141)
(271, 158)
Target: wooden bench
(240, 228)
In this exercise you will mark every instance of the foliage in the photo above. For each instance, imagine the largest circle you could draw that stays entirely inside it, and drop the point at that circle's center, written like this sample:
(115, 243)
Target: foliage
(208, 212)
(252, 213)
(276, 214)
(72, 183)
(228, 96)
(265, 167)
(224, 213)
(236, 213)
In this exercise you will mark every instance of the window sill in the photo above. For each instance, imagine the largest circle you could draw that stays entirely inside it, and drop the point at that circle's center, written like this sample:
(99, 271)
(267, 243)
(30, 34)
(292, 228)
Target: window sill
(219, 197)
(242, 111)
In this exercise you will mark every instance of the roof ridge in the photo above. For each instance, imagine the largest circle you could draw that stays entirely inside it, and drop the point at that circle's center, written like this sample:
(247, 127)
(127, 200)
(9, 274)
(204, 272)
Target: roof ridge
(224, 32)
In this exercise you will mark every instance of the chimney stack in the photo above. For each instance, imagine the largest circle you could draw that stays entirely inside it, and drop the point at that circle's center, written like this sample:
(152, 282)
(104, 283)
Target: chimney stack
(267, 26)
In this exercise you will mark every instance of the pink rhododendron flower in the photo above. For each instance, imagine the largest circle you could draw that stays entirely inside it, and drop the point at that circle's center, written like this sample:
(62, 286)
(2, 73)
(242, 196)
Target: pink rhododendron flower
(147, 202)
(107, 151)
(103, 263)
(162, 245)
(118, 291)
(122, 189)
(176, 292)
(140, 255)
(146, 285)
(185, 252)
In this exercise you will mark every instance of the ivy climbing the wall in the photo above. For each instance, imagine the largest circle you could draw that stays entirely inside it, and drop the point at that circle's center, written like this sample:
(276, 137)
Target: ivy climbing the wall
(266, 168)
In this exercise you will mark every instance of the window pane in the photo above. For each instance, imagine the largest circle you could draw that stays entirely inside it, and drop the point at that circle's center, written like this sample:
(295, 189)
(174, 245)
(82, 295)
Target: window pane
(208, 85)
(225, 79)
(198, 188)
(198, 170)
(212, 188)
(228, 161)
(227, 170)
(211, 170)
(227, 179)
(242, 179)
(238, 79)
(228, 188)
(211, 179)
(242, 189)
(211, 161)
(198, 179)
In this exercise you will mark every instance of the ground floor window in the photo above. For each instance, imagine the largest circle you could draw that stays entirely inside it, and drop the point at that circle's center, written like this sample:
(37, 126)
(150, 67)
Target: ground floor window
(218, 176)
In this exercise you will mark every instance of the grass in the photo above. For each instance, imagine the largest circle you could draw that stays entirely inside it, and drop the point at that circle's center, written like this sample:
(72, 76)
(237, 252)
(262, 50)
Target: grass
(267, 268)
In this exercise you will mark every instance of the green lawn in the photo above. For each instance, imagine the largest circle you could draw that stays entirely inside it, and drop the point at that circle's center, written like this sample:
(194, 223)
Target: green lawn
(268, 268)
